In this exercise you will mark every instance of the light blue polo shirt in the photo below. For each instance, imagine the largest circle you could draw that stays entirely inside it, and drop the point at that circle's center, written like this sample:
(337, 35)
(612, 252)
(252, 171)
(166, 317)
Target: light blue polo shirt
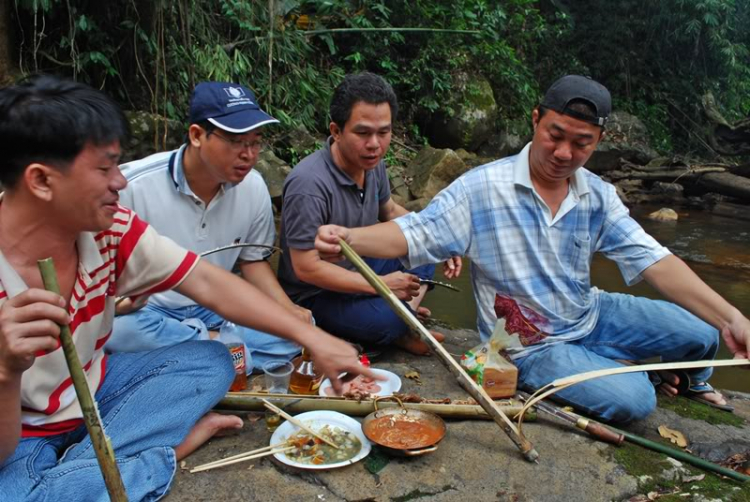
(494, 216)
(159, 193)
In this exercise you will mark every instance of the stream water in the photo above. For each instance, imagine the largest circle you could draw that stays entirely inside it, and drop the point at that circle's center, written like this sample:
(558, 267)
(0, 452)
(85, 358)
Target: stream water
(717, 248)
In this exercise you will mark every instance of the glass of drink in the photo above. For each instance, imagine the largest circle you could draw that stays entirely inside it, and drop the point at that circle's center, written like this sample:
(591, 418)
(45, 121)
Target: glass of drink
(278, 374)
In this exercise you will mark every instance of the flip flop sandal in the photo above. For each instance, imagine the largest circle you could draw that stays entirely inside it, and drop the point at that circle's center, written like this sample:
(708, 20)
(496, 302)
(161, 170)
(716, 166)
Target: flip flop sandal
(697, 393)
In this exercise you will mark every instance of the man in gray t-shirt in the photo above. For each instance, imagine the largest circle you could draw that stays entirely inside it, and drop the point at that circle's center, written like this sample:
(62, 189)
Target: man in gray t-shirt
(345, 183)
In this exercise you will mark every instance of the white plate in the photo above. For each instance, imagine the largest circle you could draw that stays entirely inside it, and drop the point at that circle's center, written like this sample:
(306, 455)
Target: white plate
(316, 420)
(387, 387)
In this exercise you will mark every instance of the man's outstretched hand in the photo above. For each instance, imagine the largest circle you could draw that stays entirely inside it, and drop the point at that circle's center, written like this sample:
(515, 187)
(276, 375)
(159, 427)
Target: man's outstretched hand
(333, 357)
(327, 242)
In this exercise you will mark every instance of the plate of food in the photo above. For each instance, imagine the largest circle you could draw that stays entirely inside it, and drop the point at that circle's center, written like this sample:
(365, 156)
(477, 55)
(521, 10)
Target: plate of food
(362, 387)
(312, 453)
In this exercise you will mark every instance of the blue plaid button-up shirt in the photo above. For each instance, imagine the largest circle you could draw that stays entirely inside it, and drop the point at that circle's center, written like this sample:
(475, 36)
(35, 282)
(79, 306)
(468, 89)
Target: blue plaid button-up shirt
(493, 216)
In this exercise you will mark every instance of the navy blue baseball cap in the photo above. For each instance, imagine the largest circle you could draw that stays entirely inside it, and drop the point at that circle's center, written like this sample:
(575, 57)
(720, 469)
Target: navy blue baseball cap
(230, 107)
(578, 88)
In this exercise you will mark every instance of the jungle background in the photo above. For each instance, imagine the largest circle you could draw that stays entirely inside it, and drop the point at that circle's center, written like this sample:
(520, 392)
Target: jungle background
(661, 60)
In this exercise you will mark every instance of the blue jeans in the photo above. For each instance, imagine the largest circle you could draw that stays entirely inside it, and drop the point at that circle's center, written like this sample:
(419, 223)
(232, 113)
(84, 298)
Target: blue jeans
(149, 402)
(363, 318)
(153, 327)
(630, 328)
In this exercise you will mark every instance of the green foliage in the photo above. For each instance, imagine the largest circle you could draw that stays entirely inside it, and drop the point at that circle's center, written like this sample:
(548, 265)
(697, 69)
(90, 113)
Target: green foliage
(661, 57)
(657, 58)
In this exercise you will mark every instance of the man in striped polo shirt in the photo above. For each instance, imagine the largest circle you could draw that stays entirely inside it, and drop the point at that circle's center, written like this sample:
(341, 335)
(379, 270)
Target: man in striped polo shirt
(61, 145)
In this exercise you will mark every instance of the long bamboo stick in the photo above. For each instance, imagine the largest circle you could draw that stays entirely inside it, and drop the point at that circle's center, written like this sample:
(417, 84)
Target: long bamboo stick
(105, 455)
(477, 392)
(293, 403)
(563, 383)
(202, 468)
(681, 455)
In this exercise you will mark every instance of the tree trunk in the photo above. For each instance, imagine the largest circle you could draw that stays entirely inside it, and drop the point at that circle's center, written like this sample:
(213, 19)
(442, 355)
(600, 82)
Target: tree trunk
(8, 69)
(727, 184)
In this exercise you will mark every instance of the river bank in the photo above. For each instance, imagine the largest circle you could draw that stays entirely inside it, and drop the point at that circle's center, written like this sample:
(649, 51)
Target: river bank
(477, 462)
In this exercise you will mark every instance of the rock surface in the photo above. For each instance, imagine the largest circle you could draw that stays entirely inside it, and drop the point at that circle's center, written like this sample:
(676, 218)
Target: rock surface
(472, 120)
(626, 138)
(150, 134)
(432, 170)
(475, 461)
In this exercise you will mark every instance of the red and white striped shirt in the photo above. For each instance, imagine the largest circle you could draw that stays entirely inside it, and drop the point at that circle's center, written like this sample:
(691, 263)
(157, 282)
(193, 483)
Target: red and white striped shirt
(128, 259)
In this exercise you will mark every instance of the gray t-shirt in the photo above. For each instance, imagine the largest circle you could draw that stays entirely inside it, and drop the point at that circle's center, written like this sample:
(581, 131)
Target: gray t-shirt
(316, 193)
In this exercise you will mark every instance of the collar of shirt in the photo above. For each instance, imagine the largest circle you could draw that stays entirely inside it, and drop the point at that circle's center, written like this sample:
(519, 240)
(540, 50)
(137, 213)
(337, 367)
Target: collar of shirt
(89, 257)
(522, 177)
(177, 172)
(338, 174)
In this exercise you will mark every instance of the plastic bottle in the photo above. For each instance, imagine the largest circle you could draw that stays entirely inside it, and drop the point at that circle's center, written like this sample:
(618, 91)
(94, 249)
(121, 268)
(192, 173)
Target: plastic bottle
(305, 380)
(229, 336)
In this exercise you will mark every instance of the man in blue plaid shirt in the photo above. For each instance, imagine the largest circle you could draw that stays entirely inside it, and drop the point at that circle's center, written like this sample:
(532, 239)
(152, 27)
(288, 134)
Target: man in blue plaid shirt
(530, 224)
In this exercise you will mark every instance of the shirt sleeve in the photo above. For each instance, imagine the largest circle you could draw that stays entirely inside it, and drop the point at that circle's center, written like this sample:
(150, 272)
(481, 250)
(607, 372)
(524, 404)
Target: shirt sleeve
(624, 241)
(147, 262)
(384, 184)
(441, 230)
(262, 229)
(303, 212)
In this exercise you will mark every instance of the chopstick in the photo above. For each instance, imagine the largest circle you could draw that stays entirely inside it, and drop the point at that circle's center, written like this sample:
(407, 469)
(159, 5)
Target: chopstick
(244, 454)
(298, 423)
(229, 461)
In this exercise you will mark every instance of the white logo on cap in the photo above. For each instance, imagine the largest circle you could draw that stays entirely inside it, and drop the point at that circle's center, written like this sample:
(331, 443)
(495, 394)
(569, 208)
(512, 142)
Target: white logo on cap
(234, 92)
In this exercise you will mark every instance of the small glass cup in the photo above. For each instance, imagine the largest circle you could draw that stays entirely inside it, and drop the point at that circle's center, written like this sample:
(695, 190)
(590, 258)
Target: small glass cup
(278, 373)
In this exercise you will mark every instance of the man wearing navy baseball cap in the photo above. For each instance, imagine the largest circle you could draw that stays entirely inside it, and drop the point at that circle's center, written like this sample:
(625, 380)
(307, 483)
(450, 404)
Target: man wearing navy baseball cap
(206, 195)
(530, 225)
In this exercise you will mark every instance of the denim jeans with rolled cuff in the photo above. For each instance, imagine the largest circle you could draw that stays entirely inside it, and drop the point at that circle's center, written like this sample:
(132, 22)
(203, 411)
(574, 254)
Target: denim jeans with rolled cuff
(629, 328)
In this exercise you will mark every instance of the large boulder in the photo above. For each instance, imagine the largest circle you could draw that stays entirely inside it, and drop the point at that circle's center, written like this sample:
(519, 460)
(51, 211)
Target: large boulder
(626, 138)
(274, 172)
(502, 145)
(150, 134)
(467, 119)
(432, 170)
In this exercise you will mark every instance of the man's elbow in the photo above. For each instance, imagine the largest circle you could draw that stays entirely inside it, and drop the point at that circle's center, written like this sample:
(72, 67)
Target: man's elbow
(305, 272)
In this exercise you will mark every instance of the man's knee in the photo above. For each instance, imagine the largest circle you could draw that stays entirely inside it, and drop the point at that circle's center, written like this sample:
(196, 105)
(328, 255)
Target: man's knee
(635, 403)
(209, 361)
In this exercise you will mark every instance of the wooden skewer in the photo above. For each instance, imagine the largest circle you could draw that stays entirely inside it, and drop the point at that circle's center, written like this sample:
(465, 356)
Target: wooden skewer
(243, 455)
(224, 463)
(298, 423)
(476, 391)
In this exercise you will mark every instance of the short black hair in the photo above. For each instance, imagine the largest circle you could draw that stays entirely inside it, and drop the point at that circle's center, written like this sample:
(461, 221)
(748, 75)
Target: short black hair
(365, 86)
(50, 120)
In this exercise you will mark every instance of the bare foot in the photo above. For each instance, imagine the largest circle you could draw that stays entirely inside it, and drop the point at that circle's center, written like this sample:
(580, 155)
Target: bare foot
(206, 428)
(669, 383)
(414, 344)
(423, 313)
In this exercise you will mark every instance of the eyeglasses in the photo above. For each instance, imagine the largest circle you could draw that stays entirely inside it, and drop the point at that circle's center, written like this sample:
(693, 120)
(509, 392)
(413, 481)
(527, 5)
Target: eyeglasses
(238, 144)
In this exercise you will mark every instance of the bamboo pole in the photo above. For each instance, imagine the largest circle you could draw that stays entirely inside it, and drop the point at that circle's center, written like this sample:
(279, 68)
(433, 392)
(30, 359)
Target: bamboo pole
(476, 391)
(563, 383)
(99, 440)
(681, 455)
(293, 403)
